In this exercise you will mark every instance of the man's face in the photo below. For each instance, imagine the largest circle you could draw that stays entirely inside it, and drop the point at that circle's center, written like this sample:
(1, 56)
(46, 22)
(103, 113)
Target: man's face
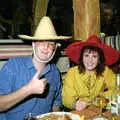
(44, 49)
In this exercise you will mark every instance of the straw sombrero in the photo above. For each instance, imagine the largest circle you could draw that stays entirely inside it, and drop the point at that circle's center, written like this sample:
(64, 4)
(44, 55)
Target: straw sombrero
(45, 31)
(73, 50)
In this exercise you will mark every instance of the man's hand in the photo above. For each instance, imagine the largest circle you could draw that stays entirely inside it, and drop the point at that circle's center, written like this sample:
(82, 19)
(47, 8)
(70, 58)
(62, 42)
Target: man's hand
(37, 86)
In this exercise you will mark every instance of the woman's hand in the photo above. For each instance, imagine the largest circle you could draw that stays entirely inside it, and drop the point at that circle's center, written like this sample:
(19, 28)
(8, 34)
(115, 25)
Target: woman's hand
(80, 105)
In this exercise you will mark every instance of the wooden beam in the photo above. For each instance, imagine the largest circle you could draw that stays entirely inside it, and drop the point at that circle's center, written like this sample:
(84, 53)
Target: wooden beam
(86, 18)
(39, 10)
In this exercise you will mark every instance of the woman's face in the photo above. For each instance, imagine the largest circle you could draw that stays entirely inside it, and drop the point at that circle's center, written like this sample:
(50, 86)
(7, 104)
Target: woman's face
(45, 49)
(90, 60)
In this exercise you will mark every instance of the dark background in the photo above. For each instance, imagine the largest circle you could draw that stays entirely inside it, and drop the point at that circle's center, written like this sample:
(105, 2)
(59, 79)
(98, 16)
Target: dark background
(60, 10)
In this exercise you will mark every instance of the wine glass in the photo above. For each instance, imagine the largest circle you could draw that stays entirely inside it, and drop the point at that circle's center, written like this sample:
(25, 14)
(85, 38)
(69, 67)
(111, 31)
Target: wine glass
(100, 102)
(29, 116)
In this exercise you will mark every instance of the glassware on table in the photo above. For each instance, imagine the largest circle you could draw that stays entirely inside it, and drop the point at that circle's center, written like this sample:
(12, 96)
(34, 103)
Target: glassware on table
(29, 116)
(100, 102)
(115, 98)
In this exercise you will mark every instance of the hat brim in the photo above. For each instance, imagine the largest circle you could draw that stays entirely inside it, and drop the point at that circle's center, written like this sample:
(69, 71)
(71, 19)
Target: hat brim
(73, 52)
(25, 37)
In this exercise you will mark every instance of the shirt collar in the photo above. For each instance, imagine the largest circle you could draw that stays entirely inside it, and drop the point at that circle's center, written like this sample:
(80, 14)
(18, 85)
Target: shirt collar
(31, 65)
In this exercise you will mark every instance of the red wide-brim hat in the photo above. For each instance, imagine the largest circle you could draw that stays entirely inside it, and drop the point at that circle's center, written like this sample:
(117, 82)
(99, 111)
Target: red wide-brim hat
(73, 50)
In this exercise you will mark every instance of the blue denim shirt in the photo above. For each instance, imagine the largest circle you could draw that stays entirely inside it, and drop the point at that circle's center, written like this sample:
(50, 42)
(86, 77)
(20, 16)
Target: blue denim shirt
(19, 71)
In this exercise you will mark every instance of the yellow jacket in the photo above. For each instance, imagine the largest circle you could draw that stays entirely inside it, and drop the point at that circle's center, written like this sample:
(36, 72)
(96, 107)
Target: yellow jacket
(86, 87)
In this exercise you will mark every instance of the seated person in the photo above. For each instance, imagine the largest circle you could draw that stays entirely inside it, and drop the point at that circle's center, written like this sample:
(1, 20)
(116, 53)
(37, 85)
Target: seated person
(32, 84)
(91, 76)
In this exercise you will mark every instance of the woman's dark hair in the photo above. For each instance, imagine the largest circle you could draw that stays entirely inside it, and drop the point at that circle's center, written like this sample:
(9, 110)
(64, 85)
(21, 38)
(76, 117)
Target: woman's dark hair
(101, 62)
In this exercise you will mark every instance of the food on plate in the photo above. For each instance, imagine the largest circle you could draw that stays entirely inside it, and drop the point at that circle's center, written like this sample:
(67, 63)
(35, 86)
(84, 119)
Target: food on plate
(59, 116)
(55, 117)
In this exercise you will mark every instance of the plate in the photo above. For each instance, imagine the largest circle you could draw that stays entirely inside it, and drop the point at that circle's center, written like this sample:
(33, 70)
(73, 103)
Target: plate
(72, 116)
(99, 118)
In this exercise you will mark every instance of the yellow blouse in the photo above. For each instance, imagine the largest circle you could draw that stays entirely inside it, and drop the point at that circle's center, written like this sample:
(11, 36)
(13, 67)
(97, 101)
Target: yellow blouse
(86, 87)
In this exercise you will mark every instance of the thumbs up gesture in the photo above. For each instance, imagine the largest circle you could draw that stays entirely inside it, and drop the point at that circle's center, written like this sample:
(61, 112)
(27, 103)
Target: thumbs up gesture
(37, 86)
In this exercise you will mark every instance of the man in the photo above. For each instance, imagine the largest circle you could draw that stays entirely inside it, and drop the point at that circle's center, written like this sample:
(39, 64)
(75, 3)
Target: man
(30, 84)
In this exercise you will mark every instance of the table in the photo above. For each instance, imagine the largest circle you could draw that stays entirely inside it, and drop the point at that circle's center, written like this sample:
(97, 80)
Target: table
(92, 111)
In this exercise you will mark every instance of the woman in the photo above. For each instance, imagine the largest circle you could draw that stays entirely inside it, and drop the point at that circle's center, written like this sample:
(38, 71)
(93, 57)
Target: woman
(91, 76)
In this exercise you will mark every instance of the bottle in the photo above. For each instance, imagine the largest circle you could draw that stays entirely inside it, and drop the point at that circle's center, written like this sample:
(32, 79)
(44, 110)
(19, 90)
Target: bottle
(115, 98)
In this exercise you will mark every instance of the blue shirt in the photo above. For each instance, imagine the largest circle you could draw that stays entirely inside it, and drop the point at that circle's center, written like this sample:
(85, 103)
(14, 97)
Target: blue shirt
(16, 73)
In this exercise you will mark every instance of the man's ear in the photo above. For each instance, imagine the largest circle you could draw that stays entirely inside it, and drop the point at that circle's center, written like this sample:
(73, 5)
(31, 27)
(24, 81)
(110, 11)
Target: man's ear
(33, 44)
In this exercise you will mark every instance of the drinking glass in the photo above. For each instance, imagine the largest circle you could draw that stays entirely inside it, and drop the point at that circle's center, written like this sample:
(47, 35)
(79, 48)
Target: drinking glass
(29, 116)
(100, 102)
